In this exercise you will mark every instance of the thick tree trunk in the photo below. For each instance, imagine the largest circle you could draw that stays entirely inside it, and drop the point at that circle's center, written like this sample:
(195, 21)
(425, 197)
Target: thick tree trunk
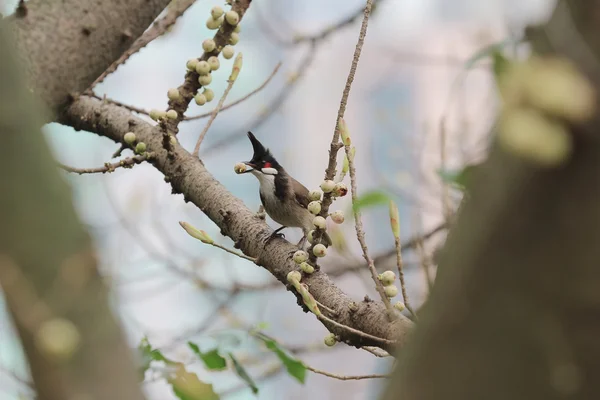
(47, 266)
(515, 312)
(65, 45)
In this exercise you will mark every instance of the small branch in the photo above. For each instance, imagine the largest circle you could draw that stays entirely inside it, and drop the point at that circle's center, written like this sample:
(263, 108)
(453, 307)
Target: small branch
(360, 235)
(128, 162)
(324, 307)
(343, 377)
(118, 103)
(235, 103)
(190, 177)
(190, 85)
(13, 375)
(175, 10)
(377, 352)
(274, 105)
(401, 275)
(424, 263)
(330, 171)
(446, 209)
(215, 112)
(318, 37)
(383, 342)
(118, 152)
(235, 253)
(336, 145)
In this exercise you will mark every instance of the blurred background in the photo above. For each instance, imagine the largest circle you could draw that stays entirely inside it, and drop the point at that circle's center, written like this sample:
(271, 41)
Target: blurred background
(419, 104)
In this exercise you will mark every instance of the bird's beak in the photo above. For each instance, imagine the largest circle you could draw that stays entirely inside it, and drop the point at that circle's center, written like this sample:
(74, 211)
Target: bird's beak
(249, 164)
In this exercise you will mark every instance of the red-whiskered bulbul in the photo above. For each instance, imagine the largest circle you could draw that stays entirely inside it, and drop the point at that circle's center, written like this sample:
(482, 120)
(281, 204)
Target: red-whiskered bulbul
(285, 199)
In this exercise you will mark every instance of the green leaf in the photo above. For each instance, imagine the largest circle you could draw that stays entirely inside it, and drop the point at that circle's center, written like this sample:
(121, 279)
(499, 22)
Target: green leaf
(459, 178)
(212, 359)
(241, 371)
(261, 326)
(149, 354)
(487, 51)
(501, 64)
(187, 386)
(294, 367)
(371, 199)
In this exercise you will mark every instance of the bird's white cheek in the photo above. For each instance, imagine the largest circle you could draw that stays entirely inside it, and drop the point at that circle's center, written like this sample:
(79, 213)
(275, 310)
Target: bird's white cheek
(269, 171)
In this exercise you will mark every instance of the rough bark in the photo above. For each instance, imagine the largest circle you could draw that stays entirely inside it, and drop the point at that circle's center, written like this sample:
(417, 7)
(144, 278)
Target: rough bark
(47, 267)
(515, 311)
(188, 176)
(65, 45)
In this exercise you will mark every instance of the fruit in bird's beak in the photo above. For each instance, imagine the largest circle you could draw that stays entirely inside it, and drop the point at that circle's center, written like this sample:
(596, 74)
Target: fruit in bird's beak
(239, 168)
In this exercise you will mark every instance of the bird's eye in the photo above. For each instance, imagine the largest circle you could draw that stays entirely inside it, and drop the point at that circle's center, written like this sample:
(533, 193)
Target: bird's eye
(267, 165)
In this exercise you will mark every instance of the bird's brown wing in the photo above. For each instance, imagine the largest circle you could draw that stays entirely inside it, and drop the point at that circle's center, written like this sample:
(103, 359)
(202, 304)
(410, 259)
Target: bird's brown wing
(300, 192)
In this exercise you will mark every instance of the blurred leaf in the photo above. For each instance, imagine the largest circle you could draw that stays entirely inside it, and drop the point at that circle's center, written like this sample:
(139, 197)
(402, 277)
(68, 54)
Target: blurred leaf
(486, 52)
(459, 178)
(294, 367)
(501, 64)
(241, 371)
(148, 354)
(371, 199)
(261, 326)
(187, 386)
(212, 359)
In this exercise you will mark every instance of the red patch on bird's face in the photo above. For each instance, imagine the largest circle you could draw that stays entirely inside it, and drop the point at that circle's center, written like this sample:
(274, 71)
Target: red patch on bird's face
(267, 165)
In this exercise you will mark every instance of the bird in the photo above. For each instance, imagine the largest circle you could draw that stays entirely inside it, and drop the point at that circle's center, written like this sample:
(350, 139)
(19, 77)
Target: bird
(284, 199)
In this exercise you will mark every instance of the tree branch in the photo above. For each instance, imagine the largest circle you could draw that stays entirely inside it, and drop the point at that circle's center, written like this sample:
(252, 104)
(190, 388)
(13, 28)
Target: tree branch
(235, 103)
(188, 176)
(81, 39)
(190, 86)
(128, 162)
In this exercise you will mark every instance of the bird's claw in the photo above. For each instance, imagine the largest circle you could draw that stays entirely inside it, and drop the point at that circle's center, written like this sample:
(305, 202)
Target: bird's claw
(302, 243)
(275, 235)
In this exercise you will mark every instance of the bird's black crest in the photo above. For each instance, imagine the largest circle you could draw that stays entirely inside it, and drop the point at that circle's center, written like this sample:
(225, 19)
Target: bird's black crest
(260, 151)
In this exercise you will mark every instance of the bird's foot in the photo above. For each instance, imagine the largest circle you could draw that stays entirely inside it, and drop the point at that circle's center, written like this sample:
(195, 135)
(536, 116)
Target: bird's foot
(302, 243)
(276, 234)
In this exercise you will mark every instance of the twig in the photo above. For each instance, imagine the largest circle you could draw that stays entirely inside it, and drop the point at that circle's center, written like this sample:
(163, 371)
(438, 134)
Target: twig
(235, 253)
(118, 152)
(263, 336)
(120, 104)
(324, 307)
(13, 375)
(232, 78)
(175, 10)
(336, 145)
(343, 377)
(424, 263)
(235, 103)
(401, 275)
(188, 89)
(108, 167)
(324, 34)
(360, 235)
(382, 341)
(382, 258)
(377, 352)
(271, 371)
(445, 187)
